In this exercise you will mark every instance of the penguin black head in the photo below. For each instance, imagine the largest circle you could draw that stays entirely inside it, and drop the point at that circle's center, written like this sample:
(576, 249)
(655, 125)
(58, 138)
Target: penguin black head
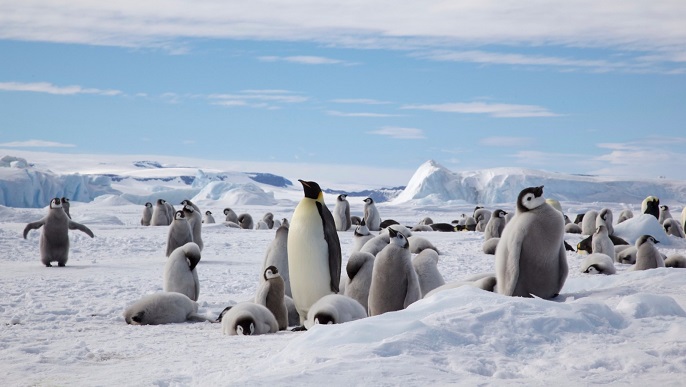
(667, 227)
(579, 218)
(179, 215)
(476, 209)
(148, 204)
(499, 213)
(271, 272)
(369, 201)
(66, 200)
(324, 318)
(221, 315)
(341, 197)
(593, 269)
(652, 206)
(605, 213)
(245, 326)
(160, 202)
(188, 208)
(530, 198)
(186, 202)
(226, 211)
(136, 319)
(312, 189)
(662, 207)
(398, 238)
(56, 203)
(646, 239)
(208, 212)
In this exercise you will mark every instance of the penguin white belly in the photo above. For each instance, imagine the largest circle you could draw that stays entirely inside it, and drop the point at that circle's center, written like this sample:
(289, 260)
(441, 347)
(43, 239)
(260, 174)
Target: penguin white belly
(308, 258)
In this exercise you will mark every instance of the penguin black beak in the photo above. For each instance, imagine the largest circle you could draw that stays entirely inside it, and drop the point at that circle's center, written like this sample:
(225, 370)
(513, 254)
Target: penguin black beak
(57, 201)
(392, 232)
(657, 241)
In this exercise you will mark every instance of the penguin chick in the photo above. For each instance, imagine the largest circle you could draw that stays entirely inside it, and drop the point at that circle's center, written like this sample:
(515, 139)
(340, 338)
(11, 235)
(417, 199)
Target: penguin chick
(334, 309)
(208, 218)
(495, 225)
(672, 227)
(147, 214)
(248, 318)
(371, 215)
(271, 294)
(426, 266)
(341, 213)
(231, 216)
(180, 275)
(359, 272)
(676, 260)
(179, 232)
(598, 263)
(601, 242)
(647, 256)
(163, 308)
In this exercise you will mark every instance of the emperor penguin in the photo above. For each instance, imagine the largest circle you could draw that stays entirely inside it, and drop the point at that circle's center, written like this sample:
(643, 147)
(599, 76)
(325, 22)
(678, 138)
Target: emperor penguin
(395, 284)
(482, 216)
(231, 216)
(426, 266)
(555, 204)
(486, 281)
(490, 245)
(334, 309)
(208, 218)
(604, 217)
(245, 221)
(179, 233)
(159, 214)
(664, 214)
(359, 270)
(371, 215)
(277, 255)
(601, 242)
(341, 213)
(419, 244)
(647, 256)
(314, 250)
(672, 227)
(272, 293)
(588, 223)
(163, 308)
(261, 225)
(495, 225)
(531, 259)
(676, 261)
(360, 237)
(195, 221)
(572, 228)
(268, 218)
(147, 214)
(170, 212)
(179, 272)
(65, 205)
(248, 318)
(54, 239)
(190, 203)
(651, 205)
(626, 214)
(598, 263)
(376, 244)
(626, 255)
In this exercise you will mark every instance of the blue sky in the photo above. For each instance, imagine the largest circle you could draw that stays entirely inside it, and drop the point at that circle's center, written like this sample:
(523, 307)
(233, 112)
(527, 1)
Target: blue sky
(582, 87)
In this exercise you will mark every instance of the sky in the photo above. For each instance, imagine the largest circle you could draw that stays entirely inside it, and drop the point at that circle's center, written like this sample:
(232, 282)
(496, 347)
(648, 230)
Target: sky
(582, 86)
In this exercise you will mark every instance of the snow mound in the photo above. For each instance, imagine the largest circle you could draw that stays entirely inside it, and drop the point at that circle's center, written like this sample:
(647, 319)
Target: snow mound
(100, 219)
(645, 224)
(235, 194)
(111, 201)
(650, 305)
(433, 183)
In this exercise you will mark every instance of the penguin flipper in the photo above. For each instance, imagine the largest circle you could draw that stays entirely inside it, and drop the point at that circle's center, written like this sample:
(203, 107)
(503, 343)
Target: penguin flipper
(334, 245)
(512, 267)
(617, 240)
(33, 226)
(78, 226)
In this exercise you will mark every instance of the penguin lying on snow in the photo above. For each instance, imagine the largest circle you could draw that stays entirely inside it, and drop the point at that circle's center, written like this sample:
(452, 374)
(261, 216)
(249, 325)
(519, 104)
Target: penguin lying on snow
(163, 308)
(334, 309)
(248, 318)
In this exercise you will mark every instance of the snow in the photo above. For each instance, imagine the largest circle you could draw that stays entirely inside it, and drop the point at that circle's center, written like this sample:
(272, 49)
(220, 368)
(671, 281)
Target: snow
(64, 326)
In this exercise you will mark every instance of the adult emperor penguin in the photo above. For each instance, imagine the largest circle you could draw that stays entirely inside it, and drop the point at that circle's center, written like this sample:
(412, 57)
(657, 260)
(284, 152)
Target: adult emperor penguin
(371, 215)
(66, 205)
(277, 255)
(672, 227)
(601, 242)
(664, 214)
(208, 218)
(359, 270)
(651, 205)
(195, 221)
(426, 266)
(272, 293)
(598, 263)
(314, 250)
(159, 214)
(395, 284)
(647, 256)
(249, 318)
(179, 272)
(341, 213)
(147, 214)
(231, 216)
(334, 309)
(531, 259)
(163, 308)
(179, 233)
(54, 239)
(495, 225)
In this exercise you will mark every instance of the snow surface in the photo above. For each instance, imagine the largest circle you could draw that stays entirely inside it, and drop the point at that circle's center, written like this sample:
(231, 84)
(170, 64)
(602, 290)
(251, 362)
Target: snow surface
(64, 326)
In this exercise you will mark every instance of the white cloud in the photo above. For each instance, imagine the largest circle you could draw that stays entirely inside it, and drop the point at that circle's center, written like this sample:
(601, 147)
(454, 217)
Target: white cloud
(263, 99)
(502, 141)
(362, 114)
(361, 101)
(304, 59)
(400, 133)
(49, 88)
(499, 110)
(36, 144)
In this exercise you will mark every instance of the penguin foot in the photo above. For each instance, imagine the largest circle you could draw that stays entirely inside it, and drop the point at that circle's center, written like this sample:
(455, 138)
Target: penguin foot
(48, 265)
(299, 329)
(61, 264)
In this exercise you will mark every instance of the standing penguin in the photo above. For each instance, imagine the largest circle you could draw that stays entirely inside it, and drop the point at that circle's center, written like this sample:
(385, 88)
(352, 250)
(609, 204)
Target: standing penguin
(268, 219)
(277, 255)
(672, 227)
(495, 225)
(360, 237)
(371, 215)
(190, 203)
(180, 275)
(245, 221)
(601, 242)
(208, 218)
(664, 214)
(588, 223)
(66, 204)
(426, 266)
(647, 256)
(54, 239)
(395, 284)
(359, 270)
(231, 216)
(159, 214)
(341, 213)
(170, 212)
(195, 221)
(482, 216)
(314, 250)
(271, 294)
(651, 205)
(604, 217)
(179, 234)
(147, 214)
(531, 259)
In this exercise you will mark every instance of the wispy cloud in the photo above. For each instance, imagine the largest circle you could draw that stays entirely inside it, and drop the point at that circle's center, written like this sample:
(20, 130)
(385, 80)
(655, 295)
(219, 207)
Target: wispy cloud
(49, 88)
(361, 114)
(499, 110)
(502, 141)
(400, 133)
(361, 101)
(263, 99)
(36, 144)
(306, 60)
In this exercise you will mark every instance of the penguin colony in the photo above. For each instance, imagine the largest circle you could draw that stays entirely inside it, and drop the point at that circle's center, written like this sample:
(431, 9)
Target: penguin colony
(301, 283)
